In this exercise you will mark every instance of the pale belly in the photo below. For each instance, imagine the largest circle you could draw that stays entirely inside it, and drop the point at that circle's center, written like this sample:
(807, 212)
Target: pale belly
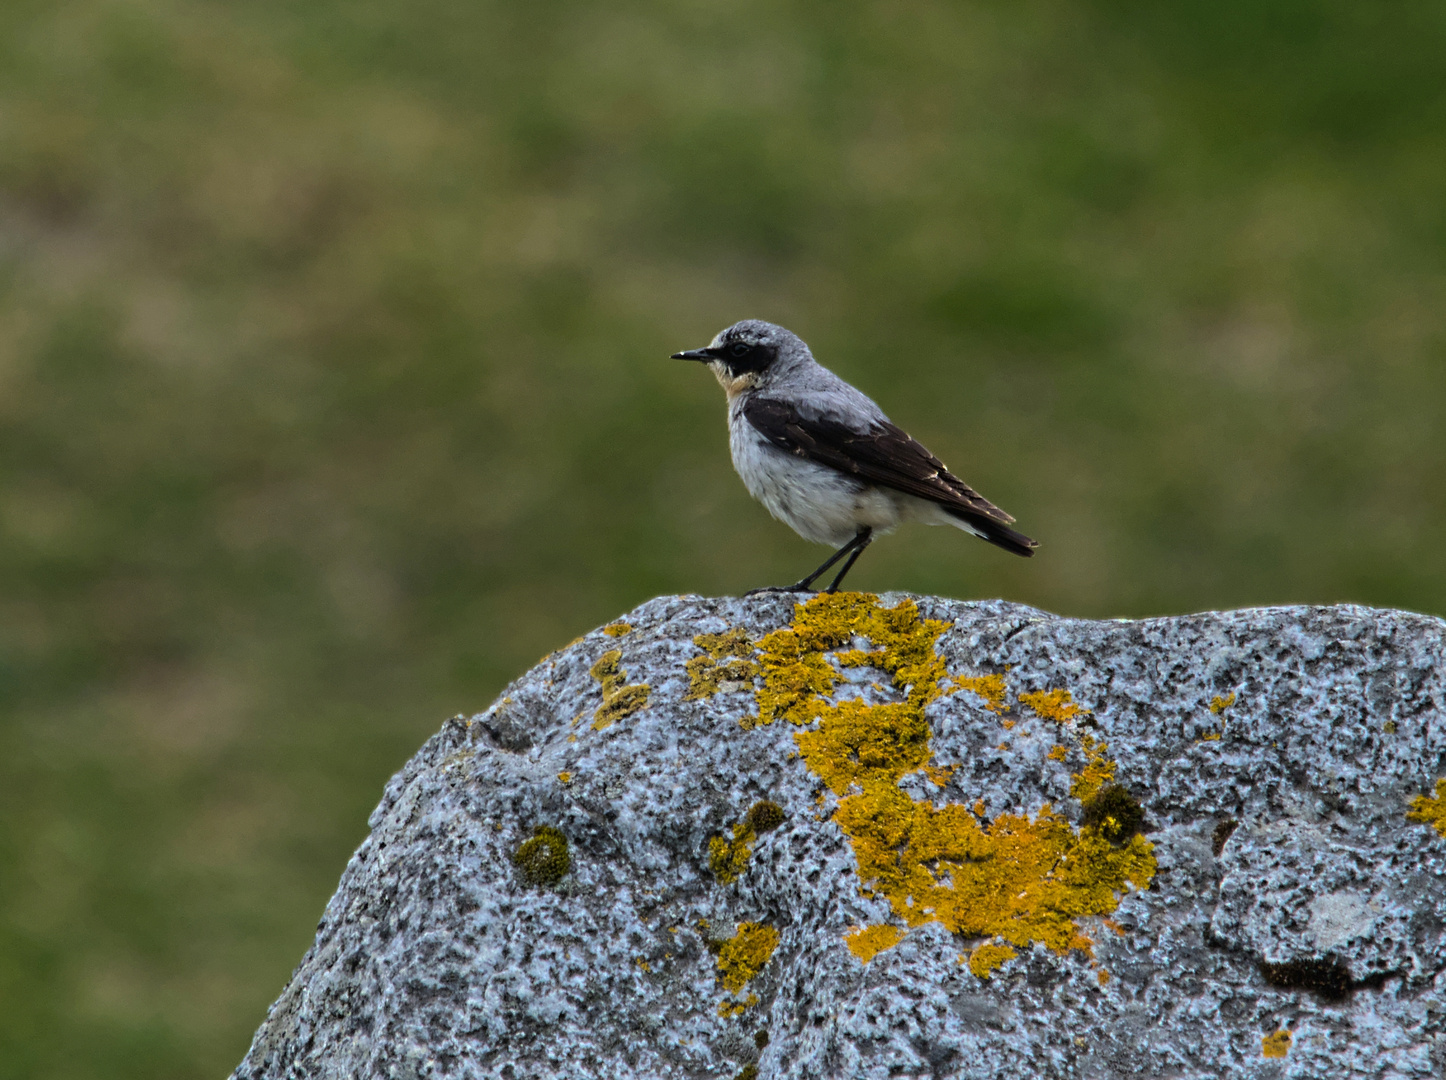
(818, 503)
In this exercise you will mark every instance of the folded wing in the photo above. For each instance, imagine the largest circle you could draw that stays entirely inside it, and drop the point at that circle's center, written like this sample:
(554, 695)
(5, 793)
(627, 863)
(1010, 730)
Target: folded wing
(887, 456)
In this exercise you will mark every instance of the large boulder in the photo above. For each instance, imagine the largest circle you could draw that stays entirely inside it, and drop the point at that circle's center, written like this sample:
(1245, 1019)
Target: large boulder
(907, 837)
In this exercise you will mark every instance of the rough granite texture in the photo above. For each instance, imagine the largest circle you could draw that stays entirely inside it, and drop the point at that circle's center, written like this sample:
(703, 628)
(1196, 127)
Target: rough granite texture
(436, 958)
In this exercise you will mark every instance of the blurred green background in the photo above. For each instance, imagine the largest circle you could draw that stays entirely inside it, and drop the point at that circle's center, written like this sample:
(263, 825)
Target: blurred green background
(334, 386)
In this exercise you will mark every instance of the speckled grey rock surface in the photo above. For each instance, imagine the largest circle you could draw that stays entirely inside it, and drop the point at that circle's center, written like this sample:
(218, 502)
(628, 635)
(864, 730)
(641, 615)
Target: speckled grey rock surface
(435, 958)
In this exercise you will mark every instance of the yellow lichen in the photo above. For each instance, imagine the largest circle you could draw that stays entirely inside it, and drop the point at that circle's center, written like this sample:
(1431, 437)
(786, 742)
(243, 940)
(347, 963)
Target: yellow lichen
(1056, 705)
(617, 629)
(989, 687)
(737, 1008)
(1058, 753)
(618, 700)
(1276, 1045)
(564, 777)
(1430, 809)
(1219, 704)
(729, 858)
(985, 958)
(1097, 772)
(866, 942)
(1016, 879)
(742, 956)
(1103, 977)
(707, 671)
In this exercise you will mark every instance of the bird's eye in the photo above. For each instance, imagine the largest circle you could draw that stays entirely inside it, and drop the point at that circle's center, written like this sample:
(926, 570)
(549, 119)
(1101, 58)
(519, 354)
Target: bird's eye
(741, 349)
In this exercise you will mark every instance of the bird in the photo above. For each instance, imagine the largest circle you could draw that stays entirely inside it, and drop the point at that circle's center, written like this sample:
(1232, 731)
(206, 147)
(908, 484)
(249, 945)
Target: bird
(823, 458)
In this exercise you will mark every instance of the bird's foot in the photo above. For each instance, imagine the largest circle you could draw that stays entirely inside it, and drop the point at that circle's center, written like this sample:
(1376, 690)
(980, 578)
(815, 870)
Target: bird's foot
(797, 586)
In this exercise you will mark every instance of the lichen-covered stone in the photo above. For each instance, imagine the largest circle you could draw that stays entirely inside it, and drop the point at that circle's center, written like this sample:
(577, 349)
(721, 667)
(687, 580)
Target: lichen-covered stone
(1010, 845)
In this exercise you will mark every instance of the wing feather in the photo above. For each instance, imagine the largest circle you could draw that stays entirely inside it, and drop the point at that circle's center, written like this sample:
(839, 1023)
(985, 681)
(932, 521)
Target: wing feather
(884, 455)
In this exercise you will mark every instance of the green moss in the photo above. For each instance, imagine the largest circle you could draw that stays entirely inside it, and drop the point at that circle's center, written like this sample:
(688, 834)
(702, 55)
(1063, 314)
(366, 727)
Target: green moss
(543, 857)
(764, 815)
(618, 700)
(748, 1072)
(1114, 812)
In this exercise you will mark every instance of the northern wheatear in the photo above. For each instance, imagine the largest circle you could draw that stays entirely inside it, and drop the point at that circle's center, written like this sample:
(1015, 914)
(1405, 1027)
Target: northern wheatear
(825, 460)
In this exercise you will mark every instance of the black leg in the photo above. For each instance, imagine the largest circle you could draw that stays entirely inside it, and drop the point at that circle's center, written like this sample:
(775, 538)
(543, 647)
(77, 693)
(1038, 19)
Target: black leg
(863, 539)
(857, 544)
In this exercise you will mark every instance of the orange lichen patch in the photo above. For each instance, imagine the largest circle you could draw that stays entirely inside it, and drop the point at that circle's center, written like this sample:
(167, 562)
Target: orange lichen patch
(1016, 878)
(1103, 977)
(989, 687)
(939, 776)
(855, 742)
(618, 700)
(1058, 753)
(713, 667)
(797, 674)
(617, 629)
(1097, 772)
(985, 958)
(742, 956)
(1276, 1045)
(1218, 704)
(564, 777)
(737, 1008)
(1056, 705)
(1430, 809)
(866, 942)
(729, 858)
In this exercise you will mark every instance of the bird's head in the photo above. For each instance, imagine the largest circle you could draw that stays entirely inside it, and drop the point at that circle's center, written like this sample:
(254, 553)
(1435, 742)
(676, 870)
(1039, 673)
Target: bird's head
(745, 354)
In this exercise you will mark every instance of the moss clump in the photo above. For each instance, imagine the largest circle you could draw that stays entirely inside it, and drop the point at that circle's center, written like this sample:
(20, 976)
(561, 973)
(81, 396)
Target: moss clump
(764, 816)
(543, 857)
(760, 1040)
(742, 956)
(1056, 705)
(708, 671)
(618, 700)
(1113, 811)
(1276, 1045)
(1430, 810)
(748, 1072)
(985, 958)
(866, 942)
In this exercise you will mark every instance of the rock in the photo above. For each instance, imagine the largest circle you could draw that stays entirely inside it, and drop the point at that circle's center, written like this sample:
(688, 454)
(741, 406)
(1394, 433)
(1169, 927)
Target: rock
(956, 887)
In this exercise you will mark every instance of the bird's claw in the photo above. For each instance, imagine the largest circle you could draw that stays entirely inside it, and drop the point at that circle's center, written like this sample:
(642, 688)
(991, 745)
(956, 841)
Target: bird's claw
(795, 587)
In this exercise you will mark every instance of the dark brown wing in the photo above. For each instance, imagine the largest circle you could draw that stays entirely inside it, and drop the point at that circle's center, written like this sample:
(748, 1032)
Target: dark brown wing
(887, 456)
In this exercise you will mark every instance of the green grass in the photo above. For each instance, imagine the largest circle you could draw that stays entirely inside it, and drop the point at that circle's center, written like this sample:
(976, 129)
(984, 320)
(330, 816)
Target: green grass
(334, 385)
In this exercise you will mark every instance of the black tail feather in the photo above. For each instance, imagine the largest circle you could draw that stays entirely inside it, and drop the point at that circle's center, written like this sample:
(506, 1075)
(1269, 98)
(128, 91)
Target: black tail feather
(998, 534)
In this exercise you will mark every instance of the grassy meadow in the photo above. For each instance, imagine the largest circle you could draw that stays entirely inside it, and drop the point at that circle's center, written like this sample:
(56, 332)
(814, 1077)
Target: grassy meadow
(335, 390)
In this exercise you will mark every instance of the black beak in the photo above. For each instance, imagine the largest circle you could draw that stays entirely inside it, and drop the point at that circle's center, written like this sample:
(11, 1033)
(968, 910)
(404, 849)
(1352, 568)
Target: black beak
(696, 354)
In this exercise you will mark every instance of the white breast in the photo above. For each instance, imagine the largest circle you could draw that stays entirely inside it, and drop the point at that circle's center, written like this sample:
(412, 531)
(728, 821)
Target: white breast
(815, 501)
